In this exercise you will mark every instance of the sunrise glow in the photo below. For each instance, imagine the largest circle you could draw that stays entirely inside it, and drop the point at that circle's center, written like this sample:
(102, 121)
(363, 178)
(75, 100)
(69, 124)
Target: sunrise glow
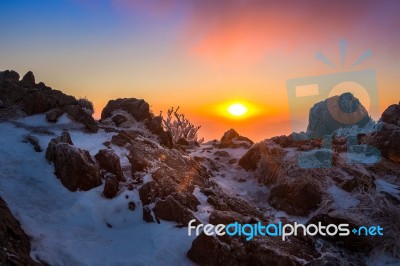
(237, 109)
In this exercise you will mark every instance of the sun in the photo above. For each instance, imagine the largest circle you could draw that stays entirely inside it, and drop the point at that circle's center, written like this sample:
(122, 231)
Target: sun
(237, 109)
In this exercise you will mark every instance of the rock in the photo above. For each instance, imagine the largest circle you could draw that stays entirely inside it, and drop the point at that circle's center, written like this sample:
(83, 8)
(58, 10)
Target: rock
(35, 142)
(208, 250)
(28, 80)
(131, 206)
(9, 75)
(149, 192)
(73, 166)
(110, 162)
(147, 215)
(251, 158)
(232, 139)
(212, 250)
(15, 247)
(336, 112)
(386, 140)
(392, 115)
(52, 115)
(139, 109)
(171, 210)
(138, 162)
(110, 188)
(78, 114)
(297, 198)
(227, 217)
(352, 242)
(118, 119)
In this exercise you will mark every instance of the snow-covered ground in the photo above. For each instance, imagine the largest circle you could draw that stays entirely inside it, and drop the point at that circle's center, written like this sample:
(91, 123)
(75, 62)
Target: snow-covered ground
(70, 228)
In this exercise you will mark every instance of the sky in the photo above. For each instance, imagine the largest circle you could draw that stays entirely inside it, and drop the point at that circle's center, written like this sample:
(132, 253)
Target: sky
(202, 55)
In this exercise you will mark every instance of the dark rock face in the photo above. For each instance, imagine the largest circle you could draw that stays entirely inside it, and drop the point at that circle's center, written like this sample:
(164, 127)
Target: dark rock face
(155, 125)
(28, 80)
(232, 139)
(14, 243)
(392, 115)
(110, 188)
(80, 115)
(109, 161)
(139, 109)
(74, 167)
(336, 112)
(295, 198)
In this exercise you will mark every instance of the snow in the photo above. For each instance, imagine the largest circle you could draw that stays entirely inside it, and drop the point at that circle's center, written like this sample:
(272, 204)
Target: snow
(343, 199)
(70, 228)
(382, 185)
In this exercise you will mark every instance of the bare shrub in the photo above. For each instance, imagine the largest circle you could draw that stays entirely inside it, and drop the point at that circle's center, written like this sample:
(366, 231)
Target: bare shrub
(179, 126)
(86, 104)
(270, 170)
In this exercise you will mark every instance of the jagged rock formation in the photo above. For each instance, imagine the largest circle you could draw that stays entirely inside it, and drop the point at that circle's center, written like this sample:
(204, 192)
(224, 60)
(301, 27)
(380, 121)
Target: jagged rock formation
(25, 97)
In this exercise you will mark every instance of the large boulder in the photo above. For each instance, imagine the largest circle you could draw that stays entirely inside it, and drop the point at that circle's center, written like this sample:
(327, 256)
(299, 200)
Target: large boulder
(9, 75)
(336, 112)
(110, 162)
(73, 166)
(137, 108)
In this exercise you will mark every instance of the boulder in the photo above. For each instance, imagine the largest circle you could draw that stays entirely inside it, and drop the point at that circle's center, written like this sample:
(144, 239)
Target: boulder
(137, 108)
(52, 115)
(110, 162)
(73, 166)
(336, 112)
(78, 114)
(232, 139)
(110, 188)
(392, 115)
(386, 140)
(251, 158)
(170, 209)
(296, 198)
